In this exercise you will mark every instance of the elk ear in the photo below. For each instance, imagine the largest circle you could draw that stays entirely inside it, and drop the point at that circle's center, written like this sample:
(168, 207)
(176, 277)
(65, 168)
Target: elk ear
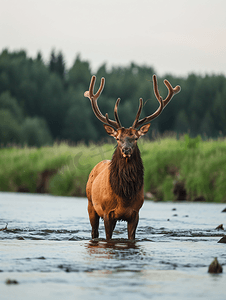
(110, 130)
(144, 129)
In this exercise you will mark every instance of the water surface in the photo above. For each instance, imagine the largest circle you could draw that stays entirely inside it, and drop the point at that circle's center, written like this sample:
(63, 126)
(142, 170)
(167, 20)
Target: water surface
(47, 249)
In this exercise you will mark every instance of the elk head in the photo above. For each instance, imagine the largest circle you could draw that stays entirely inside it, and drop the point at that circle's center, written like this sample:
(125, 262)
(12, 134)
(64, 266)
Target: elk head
(127, 137)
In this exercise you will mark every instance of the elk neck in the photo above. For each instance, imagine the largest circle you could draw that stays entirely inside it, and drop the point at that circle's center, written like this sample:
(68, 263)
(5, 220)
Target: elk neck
(126, 175)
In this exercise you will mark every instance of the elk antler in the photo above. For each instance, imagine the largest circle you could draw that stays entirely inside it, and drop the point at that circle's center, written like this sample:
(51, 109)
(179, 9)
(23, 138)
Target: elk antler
(171, 92)
(93, 98)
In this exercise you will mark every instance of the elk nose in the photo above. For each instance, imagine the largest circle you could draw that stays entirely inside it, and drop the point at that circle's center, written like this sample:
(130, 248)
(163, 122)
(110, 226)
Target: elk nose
(126, 150)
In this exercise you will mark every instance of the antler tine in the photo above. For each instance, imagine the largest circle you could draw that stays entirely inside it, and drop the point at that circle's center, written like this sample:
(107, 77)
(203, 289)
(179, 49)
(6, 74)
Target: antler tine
(100, 88)
(94, 97)
(172, 91)
(162, 103)
(155, 85)
(91, 86)
(138, 114)
(116, 112)
(90, 93)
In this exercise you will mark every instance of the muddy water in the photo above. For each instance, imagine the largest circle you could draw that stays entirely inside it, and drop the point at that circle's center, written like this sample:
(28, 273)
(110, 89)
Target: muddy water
(47, 249)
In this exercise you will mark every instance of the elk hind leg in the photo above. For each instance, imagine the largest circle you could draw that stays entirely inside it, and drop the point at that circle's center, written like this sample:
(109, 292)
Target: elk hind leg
(94, 220)
(109, 224)
(132, 225)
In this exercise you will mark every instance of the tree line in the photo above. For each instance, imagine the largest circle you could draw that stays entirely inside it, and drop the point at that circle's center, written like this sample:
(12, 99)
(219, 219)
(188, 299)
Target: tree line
(44, 102)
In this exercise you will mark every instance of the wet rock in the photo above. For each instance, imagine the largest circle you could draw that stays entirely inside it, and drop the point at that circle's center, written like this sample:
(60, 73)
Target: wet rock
(224, 210)
(5, 228)
(11, 281)
(149, 195)
(155, 194)
(222, 240)
(215, 267)
(23, 189)
(179, 190)
(199, 199)
(220, 227)
(67, 269)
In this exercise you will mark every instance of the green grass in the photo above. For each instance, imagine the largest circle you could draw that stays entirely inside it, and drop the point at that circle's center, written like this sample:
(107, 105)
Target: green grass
(199, 165)
(21, 168)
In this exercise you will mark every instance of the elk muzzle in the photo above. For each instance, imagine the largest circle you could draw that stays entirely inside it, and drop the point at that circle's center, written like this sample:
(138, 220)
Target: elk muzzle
(126, 151)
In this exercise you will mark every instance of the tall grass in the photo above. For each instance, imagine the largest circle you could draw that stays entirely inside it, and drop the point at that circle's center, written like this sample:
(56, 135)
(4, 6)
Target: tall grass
(21, 168)
(199, 165)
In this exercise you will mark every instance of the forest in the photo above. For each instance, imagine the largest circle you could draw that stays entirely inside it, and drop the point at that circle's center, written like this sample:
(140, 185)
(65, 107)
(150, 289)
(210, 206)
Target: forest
(43, 102)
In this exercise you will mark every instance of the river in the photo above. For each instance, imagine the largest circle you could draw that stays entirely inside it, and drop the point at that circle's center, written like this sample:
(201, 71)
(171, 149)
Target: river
(47, 249)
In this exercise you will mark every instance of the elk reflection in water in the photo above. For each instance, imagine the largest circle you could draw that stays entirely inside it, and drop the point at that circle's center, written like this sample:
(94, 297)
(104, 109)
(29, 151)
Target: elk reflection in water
(115, 248)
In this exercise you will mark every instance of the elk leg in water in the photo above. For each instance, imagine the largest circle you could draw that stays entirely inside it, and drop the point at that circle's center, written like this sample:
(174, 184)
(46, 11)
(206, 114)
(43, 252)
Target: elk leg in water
(132, 225)
(94, 220)
(109, 224)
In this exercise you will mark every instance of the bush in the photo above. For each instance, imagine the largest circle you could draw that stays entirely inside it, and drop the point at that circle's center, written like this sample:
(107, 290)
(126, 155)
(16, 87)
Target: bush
(9, 128)
(35, 132)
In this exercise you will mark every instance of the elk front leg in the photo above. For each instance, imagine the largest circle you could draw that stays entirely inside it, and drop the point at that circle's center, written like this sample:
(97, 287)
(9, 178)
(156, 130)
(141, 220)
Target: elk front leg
(109, 224)
(94, 220)
(132, 225)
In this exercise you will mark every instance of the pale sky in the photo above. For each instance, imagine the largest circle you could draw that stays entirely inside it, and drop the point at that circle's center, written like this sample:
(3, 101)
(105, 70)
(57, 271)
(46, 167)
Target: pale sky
(173, 36)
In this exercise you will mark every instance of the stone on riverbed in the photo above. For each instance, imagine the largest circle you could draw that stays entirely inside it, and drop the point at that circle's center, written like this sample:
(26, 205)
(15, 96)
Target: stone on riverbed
(222, 240)
(215, 267)
(220, 227)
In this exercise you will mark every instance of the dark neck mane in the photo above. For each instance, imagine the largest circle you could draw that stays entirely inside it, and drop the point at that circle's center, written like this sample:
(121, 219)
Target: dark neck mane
(126, 178)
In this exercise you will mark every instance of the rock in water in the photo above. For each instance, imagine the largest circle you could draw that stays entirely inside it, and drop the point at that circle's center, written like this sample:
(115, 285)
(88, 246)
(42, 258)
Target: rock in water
(220, 227)
(215, 267)
(222, 240)
(11, 281)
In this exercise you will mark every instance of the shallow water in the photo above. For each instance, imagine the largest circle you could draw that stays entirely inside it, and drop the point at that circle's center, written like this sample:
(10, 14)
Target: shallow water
(47, 249)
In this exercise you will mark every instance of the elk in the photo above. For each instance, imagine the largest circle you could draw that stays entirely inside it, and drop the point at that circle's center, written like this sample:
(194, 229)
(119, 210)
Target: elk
(115, 187)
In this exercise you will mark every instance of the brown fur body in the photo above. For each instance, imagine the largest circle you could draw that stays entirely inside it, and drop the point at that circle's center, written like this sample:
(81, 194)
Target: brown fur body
(115, 192)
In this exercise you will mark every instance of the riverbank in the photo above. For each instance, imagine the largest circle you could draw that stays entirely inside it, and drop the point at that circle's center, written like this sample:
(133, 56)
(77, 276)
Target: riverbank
(185, 169)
